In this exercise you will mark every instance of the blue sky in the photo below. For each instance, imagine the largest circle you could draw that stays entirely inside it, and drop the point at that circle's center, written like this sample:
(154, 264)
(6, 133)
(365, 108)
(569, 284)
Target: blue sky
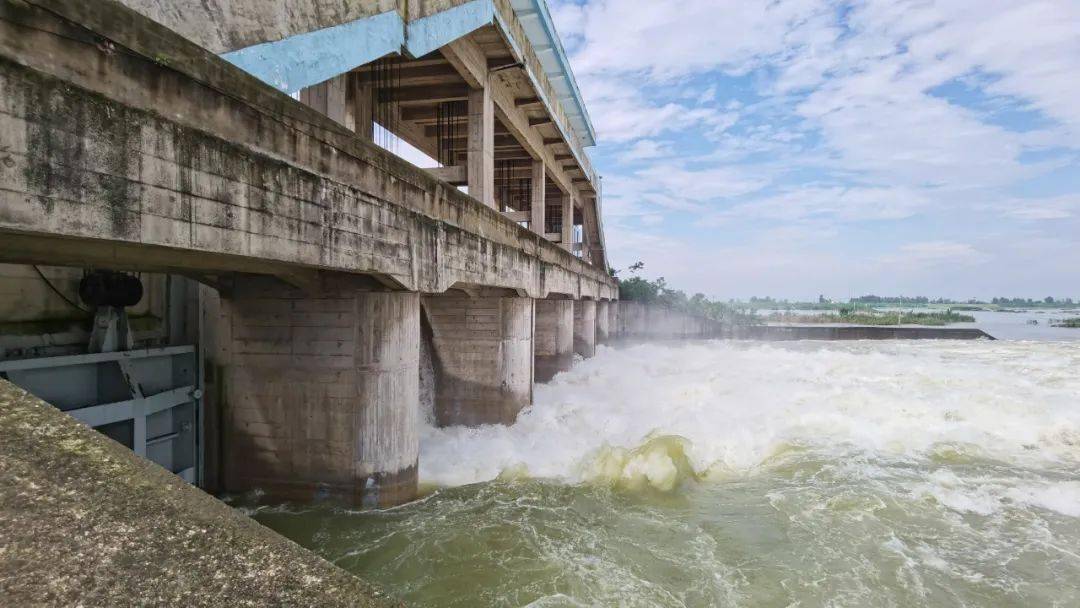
(797, 147)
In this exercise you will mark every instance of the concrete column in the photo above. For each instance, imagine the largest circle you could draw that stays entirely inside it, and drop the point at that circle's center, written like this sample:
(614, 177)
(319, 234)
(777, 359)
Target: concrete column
(603, 323)
(537, 195)
(320, 392)
(566, 233)
(585, 328)
(480, 159)
(553, 338)
(328, 97)
(482, 351)
(358, 107)
(633, 319)
(613, 319)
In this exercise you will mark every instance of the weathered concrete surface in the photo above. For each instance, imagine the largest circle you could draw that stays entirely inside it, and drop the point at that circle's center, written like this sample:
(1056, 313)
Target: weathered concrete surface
(631, 319)
(585, 328)
(553, 338)
(603, 322)
(614, 326)
(482, 356)
(164, 157)
(321, 393)
(225, 25)
(86, 522)
(778, 332)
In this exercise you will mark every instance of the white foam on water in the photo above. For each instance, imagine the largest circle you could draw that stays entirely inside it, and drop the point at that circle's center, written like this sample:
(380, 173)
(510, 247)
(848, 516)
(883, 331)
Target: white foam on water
(740, 405)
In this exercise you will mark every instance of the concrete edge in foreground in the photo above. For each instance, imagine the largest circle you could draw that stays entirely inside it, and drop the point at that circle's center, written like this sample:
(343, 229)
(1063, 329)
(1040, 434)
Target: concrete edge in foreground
(84, 521)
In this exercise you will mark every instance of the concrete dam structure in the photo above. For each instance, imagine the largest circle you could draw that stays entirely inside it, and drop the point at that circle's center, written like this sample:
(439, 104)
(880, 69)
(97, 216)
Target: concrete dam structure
(210, 253)
(885, 332)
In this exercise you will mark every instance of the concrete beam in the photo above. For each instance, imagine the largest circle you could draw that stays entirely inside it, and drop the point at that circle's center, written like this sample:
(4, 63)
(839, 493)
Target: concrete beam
(426, 94)
(469, 60)
(455, 175)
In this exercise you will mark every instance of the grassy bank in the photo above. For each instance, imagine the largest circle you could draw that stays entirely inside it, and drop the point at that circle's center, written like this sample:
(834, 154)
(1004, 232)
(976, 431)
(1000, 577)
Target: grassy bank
(1074, 322)
(933, 319)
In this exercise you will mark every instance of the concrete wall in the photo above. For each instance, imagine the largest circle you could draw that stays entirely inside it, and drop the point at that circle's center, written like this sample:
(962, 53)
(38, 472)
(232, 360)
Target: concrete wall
(775, 332)
(636, 320)
(37, 321)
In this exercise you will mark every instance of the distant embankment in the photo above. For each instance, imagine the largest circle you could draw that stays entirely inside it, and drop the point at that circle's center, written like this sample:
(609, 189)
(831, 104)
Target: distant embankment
(781, 332)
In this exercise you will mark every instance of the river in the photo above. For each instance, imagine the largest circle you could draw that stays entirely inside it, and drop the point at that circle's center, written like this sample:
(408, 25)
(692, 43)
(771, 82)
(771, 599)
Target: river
(721, 473)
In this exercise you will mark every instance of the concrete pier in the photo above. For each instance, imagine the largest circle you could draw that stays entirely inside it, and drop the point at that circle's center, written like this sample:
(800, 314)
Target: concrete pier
(632, 319)
(320, 391)
(585, 328)
(603, 322)
(553, 338)
(613, 319)
(482, 351)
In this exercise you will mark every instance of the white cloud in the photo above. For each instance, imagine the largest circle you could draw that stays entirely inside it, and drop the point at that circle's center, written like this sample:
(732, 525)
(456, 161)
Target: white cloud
(837, 119)
(838, 203)
(621, 113)
(933, 252)
(1053, 208)
(667, 40)
(646, 149)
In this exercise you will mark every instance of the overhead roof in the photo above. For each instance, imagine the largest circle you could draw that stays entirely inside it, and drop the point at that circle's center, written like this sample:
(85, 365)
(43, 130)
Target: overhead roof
(310, 57)
(539, 27)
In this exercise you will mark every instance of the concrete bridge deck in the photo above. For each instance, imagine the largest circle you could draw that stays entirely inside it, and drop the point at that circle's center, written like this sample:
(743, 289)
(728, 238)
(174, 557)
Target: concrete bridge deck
(129, 146)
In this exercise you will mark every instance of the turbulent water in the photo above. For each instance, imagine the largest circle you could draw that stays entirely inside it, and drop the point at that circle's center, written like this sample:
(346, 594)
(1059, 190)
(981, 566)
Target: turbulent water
(747, 474)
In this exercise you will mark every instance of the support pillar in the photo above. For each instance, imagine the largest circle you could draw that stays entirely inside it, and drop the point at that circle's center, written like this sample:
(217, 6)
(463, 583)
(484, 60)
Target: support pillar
(632, 316)
(537, 195)
(585, 328)
(480, 145)
(328, 97)
(482, 351)
(359, 111)
(553, 338)
(320, 392)
(566, 232)
(613, 319)
(603, 327)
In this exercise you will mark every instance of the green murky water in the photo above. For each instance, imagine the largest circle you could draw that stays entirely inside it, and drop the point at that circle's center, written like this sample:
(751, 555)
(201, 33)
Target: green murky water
(797, 476)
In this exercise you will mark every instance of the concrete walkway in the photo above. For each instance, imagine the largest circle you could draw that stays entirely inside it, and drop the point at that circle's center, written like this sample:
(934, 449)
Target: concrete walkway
(83, 521)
